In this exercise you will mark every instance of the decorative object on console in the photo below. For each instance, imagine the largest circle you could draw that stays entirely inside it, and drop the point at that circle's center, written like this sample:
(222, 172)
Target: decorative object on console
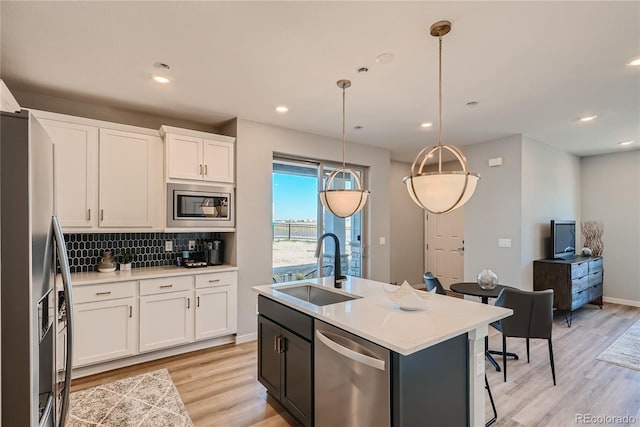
(434, 189)
(586, 251)
(107, 263)
(125, 259)
(343, 202)
(487, 279)
(592, 232)
(405, 297)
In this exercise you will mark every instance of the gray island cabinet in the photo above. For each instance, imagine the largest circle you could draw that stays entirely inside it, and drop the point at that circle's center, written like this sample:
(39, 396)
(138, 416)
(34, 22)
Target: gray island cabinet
(365, 362)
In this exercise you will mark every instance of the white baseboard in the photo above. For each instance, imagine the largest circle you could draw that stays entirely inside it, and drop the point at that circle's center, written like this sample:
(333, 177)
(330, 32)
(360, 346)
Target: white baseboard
(145, 357)
(241, 339)
(629, 302)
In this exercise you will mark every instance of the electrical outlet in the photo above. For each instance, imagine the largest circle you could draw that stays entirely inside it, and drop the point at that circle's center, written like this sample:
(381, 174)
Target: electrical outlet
(504, 243)
(192, 245)
(168, 245)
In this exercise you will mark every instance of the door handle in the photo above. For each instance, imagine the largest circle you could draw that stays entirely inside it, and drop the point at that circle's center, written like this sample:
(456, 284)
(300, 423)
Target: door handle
(214, 280)
(101, 214)
(276, 343)
(461, 249)
(188, 303)
(200, 169)
(166, 286)
(350, 354)
(130, 311)
(206, 169)
(88, 214)
(103, 293)
(197, 301)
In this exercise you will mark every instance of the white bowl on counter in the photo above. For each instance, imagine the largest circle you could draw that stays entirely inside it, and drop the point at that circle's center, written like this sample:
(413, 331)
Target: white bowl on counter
(406, 297)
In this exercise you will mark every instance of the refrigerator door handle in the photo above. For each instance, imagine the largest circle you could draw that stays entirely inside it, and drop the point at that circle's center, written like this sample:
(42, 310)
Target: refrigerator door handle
(66, 281)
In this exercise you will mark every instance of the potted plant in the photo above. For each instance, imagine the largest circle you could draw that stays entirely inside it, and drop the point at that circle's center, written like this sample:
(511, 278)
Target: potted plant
(125, 259)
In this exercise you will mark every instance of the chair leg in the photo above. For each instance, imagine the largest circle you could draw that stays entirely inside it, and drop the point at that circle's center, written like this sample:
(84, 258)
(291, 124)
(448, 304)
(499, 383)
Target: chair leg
(504, 356)
(527, 350)
(553, 368)
(493, 405)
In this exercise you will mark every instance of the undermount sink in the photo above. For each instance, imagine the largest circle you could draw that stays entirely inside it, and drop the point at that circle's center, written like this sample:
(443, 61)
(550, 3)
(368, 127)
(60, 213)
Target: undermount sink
(315, 295)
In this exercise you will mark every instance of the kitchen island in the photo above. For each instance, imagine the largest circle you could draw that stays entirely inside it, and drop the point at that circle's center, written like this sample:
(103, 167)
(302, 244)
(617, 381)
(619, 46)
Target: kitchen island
(434, 370)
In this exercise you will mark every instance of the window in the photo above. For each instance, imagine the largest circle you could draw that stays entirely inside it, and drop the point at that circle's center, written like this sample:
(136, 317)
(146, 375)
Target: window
(299, 219)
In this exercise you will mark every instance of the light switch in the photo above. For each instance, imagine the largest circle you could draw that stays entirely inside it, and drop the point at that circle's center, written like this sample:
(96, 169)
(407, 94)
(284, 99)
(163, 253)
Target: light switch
(496, 161)
(504, 243)
(383, 241)
(168, 245)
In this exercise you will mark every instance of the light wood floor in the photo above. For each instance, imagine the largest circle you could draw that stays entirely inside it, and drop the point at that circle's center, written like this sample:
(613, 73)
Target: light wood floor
(219, 386)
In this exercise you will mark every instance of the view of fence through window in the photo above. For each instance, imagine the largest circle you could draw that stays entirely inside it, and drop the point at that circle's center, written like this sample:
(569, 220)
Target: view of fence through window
(298, 222)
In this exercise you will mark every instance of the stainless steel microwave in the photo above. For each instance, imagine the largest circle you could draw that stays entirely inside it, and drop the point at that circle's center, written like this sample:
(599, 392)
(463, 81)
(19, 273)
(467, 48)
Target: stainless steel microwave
(198, 206)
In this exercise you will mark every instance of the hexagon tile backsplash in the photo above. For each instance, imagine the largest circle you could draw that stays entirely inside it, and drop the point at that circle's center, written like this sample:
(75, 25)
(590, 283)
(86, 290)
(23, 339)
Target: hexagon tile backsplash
(84, 250)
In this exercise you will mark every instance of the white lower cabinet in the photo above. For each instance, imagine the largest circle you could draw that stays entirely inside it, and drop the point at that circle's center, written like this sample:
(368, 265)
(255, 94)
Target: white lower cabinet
(166, 320)
(215, 312)
(104, 330)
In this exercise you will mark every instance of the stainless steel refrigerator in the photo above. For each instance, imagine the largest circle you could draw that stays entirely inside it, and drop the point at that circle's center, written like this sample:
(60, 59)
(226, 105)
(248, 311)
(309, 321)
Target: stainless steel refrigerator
(36, 328)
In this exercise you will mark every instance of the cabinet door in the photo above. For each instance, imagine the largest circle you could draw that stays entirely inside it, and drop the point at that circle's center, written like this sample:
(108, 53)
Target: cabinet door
(215, 312)
(218, 161)
(184, 157)
(76, 173)
(124, 179)
(103, 330)
(166, 320)
(268, 356)
(296, 392)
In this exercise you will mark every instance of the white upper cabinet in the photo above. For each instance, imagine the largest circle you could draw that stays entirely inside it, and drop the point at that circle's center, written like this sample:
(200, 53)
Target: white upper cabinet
(125, 187)
(76, 173)
(198, 156)
(106, 175)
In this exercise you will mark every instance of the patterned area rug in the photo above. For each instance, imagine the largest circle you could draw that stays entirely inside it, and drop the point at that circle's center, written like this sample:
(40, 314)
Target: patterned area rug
(147, 400)
(625, 351)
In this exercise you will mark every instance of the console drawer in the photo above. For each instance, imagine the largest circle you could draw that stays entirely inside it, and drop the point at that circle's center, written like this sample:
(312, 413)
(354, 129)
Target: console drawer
(103, 291)
(595, 292)
(579, 299)
(595, 265)
(595, 278)
(579, 269)
(166, 284)
(579, 284)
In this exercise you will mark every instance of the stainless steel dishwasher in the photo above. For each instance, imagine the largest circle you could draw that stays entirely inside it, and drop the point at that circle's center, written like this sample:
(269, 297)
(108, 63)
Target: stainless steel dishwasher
(352, 385)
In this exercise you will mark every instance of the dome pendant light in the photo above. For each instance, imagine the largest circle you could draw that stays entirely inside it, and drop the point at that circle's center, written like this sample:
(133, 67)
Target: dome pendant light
(440, 191)
(343, 202)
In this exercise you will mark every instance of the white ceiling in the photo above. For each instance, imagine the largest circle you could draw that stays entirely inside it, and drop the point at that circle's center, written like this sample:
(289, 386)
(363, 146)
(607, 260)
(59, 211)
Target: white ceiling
(534, 67)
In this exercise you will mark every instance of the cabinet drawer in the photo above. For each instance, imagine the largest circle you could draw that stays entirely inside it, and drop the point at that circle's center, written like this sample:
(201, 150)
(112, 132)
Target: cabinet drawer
(595, 265)
(595, 278)
(166, 284)
(579, 284)
(579, 269)
(287, 317)
(595, 292)
(103, 291)
(579, 299)
(216, 279)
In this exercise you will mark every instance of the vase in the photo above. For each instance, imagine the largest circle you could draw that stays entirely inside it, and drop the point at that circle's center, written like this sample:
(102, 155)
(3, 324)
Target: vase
(487, 279)
(125, 267)
(107, 264)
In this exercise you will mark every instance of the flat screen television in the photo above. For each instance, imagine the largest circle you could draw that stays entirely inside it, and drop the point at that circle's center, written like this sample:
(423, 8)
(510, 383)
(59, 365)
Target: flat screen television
(563, 238)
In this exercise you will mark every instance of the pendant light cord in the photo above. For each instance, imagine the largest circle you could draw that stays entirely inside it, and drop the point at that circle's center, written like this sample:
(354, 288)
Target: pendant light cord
(440, 102)
(344, 141)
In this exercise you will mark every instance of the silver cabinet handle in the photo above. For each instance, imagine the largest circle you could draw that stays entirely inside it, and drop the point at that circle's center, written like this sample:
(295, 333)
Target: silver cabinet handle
(197, 301)
(214, 280)
(88, 214)
(206, 169)
(201, 170)
(350, 354)
(130, 311)
(103, 293)
(101, 214)
(275, 343)
(166, 286)
(188, 303)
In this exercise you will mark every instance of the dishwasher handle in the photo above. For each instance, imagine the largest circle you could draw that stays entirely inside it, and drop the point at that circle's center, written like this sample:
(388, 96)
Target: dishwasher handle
(350, 354)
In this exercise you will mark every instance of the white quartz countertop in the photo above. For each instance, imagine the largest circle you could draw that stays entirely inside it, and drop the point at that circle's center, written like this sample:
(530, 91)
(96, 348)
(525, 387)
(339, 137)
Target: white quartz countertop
(377, 319)
(93, 277)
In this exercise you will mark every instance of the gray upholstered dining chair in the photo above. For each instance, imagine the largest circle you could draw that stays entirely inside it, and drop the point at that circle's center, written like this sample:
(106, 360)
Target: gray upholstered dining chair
(532, 318)
(432, 282)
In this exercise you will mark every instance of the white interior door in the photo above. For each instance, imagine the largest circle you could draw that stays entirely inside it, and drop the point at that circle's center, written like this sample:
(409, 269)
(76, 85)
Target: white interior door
(444, 256)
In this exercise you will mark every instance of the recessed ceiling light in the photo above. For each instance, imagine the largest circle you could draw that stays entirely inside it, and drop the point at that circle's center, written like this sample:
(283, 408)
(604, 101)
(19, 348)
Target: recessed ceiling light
(588, 118)
(282, 109)
(623, 143)
(634, 62)
(162, 73)
(358, 127)
(472, 104)
(385, 58)
(426, 125)
(363, 70)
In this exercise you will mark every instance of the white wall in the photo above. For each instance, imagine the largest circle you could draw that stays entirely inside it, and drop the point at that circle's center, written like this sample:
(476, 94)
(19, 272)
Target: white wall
(256, 143)
(550, 190)
(494, 211)
(611, 194)
(406, 243)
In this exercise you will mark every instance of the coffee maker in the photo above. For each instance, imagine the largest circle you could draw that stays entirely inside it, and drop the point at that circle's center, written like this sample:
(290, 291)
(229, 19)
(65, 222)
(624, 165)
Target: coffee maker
(214, 252)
